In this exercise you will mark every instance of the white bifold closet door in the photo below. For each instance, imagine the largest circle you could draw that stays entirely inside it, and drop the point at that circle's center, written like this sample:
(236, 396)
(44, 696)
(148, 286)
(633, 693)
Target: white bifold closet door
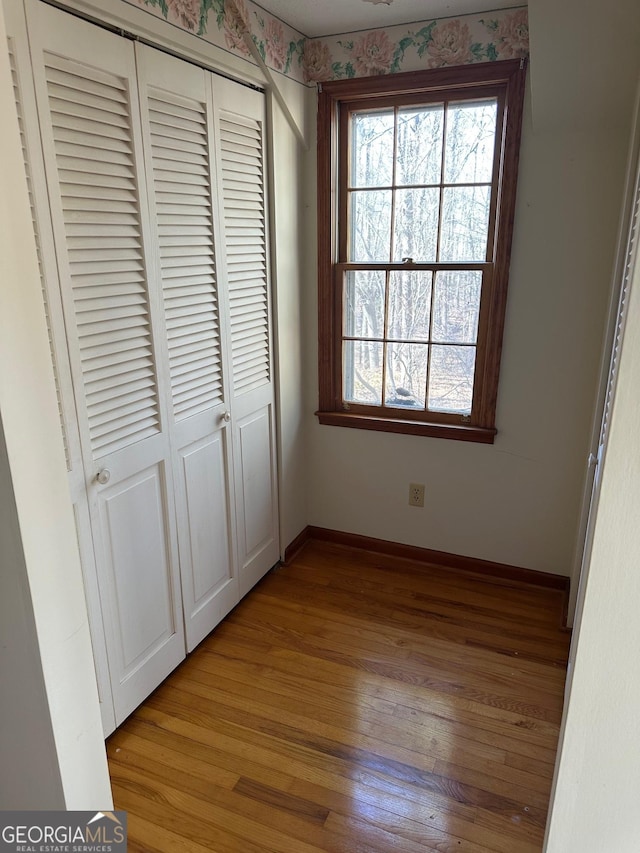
(34, 167)
(177, 122)
(86, 89)
(204, 155)
(241, 185)
(156, 194)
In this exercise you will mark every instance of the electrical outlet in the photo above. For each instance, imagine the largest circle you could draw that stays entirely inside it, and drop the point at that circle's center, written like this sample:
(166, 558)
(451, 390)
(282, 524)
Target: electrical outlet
(416, 494)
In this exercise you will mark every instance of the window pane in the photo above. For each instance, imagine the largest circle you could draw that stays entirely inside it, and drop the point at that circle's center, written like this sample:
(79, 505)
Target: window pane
(456, 306)
(406, 375)
(471, 133)
(416, 224)
(465, 223)
(372, 149)
(370, 226)
(451, 379)
(420, 145)
(409, 305)
(362, 376)
(364, 304)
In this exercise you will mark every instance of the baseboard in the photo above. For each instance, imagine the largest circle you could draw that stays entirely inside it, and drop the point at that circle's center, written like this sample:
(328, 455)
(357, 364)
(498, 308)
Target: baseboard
(441, 559)
(297, 545)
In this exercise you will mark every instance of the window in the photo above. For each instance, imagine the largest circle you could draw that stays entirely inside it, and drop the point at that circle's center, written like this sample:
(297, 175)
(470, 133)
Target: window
(416, 195)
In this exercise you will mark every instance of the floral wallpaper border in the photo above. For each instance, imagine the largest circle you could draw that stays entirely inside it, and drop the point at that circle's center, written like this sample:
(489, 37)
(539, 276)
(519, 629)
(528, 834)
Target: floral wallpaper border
(431, 44)
(222, 23)
(502, 34)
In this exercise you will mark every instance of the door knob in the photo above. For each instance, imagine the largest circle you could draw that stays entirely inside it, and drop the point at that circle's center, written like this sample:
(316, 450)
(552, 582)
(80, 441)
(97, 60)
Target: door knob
(103, 476)
(226, 417)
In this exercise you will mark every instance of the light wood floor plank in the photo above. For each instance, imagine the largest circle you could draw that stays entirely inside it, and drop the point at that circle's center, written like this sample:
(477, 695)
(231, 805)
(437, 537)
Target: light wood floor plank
(404, 726)
(320, 636)
(477, 599)
(391, 741)
(354, 703)
(449, 623)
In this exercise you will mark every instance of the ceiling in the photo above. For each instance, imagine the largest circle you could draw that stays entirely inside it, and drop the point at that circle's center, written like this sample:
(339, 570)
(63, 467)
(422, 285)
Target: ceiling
(330, 17)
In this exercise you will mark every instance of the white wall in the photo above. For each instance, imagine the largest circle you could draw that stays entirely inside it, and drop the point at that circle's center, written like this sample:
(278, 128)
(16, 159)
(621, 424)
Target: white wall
(26, 735)
(595, 807)
(584, 61)
(585, 85)
(517, 501)
(286, 165)
(41, 567)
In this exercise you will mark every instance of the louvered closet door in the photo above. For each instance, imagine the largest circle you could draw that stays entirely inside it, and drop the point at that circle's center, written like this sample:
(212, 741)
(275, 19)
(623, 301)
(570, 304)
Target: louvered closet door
(20, 61)
(178, 127)
(91, 136)
(240, 130)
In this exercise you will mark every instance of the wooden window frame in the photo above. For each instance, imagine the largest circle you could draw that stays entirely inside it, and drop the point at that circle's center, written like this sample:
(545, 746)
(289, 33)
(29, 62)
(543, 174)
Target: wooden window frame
(504, 79)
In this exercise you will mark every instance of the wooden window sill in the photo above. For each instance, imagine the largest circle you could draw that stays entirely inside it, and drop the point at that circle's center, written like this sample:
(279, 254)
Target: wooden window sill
(454, 432)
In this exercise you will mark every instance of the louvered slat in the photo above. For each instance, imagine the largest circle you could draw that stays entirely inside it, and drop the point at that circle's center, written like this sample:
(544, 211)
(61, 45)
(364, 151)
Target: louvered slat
(91, 121)
(180, 159)
(244, 225)
(27, 167)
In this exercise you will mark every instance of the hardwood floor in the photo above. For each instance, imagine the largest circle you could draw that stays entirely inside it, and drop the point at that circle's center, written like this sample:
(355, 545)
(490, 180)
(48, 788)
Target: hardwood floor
(354, 703)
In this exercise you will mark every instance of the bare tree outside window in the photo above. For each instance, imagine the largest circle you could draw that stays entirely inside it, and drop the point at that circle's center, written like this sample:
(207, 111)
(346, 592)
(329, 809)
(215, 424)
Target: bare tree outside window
(422, 178)
(421, 188)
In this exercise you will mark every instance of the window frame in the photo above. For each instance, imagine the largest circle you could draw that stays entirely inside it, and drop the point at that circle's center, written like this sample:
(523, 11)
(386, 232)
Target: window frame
(504, 79)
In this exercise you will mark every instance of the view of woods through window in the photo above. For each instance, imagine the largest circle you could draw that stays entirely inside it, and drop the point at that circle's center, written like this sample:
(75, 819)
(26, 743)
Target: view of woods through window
(418, 204)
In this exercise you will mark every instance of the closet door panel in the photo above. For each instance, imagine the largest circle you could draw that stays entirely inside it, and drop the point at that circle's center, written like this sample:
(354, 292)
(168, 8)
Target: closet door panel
(240, 122)
(255, 442)
(136, 534)
(205, 476)
(20, 61)
(90, 124)
(178, 140)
